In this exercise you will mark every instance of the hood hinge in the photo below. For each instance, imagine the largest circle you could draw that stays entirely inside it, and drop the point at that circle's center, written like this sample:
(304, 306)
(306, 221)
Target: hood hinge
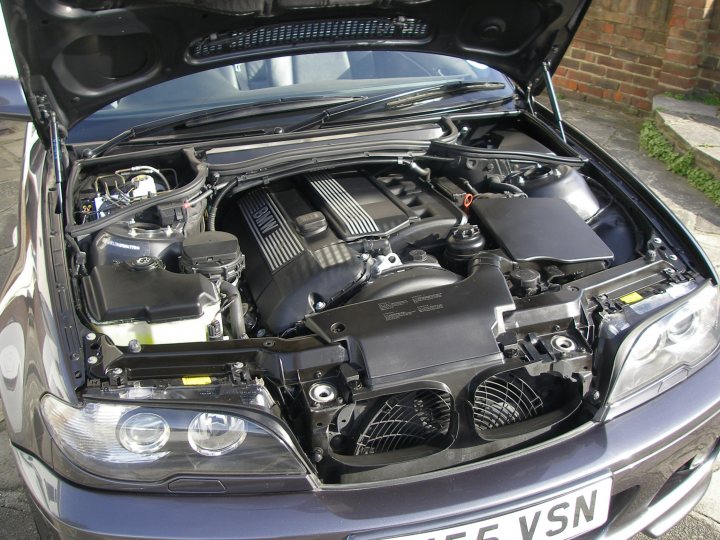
(553, 99)
(57, 146)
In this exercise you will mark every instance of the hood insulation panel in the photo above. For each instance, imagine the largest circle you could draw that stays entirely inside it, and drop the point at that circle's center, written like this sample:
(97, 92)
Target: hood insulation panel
(332, 31)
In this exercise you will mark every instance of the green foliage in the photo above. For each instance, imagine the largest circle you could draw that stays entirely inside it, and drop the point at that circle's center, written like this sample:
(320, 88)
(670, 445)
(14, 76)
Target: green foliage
(656, 145)
(677, 95)
(712, 98)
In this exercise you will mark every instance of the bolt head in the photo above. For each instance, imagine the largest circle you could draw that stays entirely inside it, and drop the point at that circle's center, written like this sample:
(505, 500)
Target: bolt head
(134, 346)
(91, 336)
(117, 371)
(92, 360)
(673, 257)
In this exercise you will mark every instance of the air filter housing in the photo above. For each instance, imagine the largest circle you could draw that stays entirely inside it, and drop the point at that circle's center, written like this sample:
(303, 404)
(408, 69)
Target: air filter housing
(214, 254)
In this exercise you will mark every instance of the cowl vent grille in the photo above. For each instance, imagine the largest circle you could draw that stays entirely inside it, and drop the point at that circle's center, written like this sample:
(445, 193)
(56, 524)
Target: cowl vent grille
(406, 420)
(277, 35)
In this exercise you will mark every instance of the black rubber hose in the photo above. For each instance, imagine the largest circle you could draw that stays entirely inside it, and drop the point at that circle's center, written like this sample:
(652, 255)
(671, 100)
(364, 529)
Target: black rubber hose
(496, 186)
(235, 310)
(212, 212)
(467, 185)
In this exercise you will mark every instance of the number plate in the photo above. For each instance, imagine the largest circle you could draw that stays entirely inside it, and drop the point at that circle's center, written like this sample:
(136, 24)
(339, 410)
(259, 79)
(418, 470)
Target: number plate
(563, 517)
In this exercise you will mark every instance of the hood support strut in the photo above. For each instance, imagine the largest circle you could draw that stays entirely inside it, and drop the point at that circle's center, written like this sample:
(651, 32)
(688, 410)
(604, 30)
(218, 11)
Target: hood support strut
(553, 99)
(56, 148)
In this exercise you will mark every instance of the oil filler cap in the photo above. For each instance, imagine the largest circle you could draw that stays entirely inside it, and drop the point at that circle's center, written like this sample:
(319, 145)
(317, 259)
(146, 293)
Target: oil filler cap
(311, 224)
(525, 278)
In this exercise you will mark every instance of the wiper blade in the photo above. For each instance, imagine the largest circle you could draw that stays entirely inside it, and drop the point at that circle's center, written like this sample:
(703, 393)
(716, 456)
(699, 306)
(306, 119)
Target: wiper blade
(448, 90)
(217, 114)
(279, 105)
(403, 98)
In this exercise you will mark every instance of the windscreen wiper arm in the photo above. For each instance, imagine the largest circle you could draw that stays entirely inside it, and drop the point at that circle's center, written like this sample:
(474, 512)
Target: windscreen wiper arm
(396, 100)
(217, 114)
(448, 90)
(279, 105)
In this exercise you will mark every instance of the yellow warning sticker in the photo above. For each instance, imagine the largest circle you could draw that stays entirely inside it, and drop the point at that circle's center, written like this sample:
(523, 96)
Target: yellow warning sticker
(631, 298)
(196, 381)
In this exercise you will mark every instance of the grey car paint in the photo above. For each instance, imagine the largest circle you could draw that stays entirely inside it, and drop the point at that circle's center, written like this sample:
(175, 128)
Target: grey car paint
(34, 361)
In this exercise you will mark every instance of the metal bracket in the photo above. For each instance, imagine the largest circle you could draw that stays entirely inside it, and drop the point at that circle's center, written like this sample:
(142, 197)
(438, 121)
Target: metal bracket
(553, 99)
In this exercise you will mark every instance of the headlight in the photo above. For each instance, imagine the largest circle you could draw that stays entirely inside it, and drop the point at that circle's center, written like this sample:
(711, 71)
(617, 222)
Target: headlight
(212, 434)
(133, 442)
(664, 351)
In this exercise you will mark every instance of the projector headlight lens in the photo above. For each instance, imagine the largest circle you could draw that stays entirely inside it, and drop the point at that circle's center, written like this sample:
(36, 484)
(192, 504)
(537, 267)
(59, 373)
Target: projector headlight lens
(144, 433)
(212, 434)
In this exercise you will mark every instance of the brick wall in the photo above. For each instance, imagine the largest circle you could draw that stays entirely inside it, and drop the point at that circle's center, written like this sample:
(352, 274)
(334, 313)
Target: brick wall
(627, 51)
(709, 76)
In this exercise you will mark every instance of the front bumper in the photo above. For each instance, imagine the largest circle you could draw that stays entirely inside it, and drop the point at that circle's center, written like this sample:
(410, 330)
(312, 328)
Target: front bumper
(659, 454)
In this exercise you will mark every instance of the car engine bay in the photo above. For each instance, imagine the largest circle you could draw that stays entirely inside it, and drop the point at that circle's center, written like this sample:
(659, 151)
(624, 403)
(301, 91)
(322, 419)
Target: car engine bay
(400, 307)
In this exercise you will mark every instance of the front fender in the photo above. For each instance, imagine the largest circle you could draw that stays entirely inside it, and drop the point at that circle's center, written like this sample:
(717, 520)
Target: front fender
(33, 349)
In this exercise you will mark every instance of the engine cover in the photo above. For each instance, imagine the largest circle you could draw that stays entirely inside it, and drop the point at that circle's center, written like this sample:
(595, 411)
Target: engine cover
(356, 207)
(302, 237)
(288, 274)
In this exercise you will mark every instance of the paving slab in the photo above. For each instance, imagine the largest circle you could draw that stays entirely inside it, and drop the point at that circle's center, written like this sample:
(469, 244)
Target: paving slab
(9, 478)
(690, 528)
(691, 126)
(709, 506)
(667, 103)
(15, 514)
(16, 517)
(704, 138)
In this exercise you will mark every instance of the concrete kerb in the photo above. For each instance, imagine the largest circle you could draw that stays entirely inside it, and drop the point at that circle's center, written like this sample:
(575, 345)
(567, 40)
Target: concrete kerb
(691, 127)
